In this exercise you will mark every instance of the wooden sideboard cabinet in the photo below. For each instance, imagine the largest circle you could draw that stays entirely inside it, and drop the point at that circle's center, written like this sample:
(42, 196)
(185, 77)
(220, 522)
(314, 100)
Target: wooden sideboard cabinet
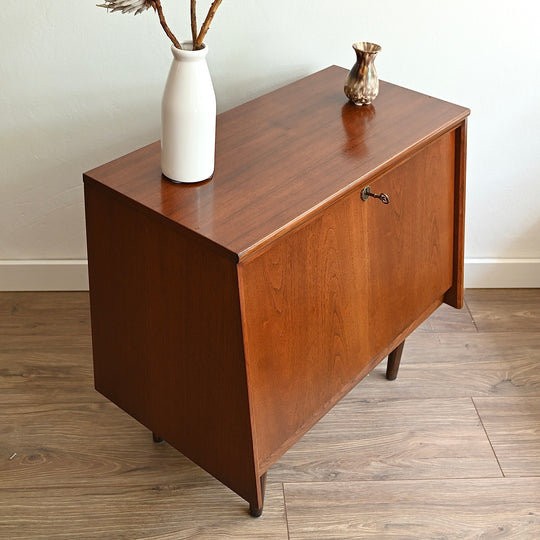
(229, 316)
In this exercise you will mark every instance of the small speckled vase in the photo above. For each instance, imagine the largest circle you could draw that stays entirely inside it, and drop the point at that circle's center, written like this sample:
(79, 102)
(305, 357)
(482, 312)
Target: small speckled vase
(362, 84)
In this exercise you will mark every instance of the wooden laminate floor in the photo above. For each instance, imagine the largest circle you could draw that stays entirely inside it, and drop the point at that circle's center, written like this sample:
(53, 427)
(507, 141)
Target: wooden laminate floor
(451, 449)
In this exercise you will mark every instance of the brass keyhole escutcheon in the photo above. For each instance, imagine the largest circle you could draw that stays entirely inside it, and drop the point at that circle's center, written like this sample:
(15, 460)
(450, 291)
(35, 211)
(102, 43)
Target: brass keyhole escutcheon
(366, 194)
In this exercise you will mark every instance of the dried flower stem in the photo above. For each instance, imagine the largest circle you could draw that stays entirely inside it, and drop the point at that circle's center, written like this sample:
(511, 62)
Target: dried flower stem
(172, 37)
(206, 24)
(194, 22)
(138, 6)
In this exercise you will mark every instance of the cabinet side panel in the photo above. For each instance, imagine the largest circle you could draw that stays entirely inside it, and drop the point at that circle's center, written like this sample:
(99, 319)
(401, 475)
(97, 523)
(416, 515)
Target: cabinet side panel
(167, 338)
(303, 303)
(411, 241)
(454, 297)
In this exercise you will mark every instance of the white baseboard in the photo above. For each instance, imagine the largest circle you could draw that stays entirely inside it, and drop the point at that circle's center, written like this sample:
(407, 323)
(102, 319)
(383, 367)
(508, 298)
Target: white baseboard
(502, 273)
(35, 275)
(72, 275)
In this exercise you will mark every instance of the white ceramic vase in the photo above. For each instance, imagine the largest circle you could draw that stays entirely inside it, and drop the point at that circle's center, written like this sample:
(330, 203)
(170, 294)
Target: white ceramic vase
(188, 118)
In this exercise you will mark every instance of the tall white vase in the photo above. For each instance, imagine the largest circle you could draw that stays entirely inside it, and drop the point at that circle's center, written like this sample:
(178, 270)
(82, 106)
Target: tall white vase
(188, 118)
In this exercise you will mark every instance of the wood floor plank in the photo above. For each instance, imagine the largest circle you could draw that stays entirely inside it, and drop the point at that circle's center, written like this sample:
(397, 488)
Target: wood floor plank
(461, 365)
(448, 319)
(513, 427)
(39, 376)
(158, 512)
(505, 310)
(67, 444)
(393, 439)
(73, 465)
(31, 322)
(449, 509)
(53, 343)
(44, 314)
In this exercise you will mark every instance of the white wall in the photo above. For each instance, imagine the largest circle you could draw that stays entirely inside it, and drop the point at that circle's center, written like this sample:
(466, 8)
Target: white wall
(79, 87)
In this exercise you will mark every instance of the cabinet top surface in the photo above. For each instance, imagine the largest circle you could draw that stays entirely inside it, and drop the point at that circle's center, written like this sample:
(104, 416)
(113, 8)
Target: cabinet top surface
(283, 156)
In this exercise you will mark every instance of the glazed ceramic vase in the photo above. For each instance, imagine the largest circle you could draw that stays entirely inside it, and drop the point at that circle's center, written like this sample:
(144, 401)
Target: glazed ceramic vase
(188, 118)
(362, 84)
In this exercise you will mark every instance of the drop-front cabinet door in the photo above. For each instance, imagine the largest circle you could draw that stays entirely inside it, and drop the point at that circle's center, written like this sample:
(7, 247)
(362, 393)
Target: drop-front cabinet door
(305, 342)
(410, 241)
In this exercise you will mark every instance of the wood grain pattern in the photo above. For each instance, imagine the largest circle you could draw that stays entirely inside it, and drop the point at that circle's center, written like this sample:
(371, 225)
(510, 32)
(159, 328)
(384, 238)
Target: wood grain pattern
(62, 443)
(448, 320)
(380, 439)
(85, 469)
(258, 191)
(35, 375)
(305, 338)
(462, 365)
(159, 512)
(513, 427)
(326, 304)
(504, 311)
(167, 338)
(452, 509)
(41, 319)
(53, 313)
(411, 240)
(45, 348)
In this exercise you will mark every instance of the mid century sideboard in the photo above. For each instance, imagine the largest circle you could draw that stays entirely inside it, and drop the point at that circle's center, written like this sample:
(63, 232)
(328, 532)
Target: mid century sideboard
(229, 316)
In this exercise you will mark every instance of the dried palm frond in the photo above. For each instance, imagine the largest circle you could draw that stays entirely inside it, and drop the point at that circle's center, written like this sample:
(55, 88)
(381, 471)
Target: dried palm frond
(128, 6)
(138, 6)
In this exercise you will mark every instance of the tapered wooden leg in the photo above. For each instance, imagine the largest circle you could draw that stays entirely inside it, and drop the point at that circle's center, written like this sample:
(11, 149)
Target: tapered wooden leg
(156, 438)
(256, 509)
(394, 358)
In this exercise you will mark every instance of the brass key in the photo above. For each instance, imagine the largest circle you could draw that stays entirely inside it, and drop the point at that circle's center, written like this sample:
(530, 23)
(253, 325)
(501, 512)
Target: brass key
(366, 194)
